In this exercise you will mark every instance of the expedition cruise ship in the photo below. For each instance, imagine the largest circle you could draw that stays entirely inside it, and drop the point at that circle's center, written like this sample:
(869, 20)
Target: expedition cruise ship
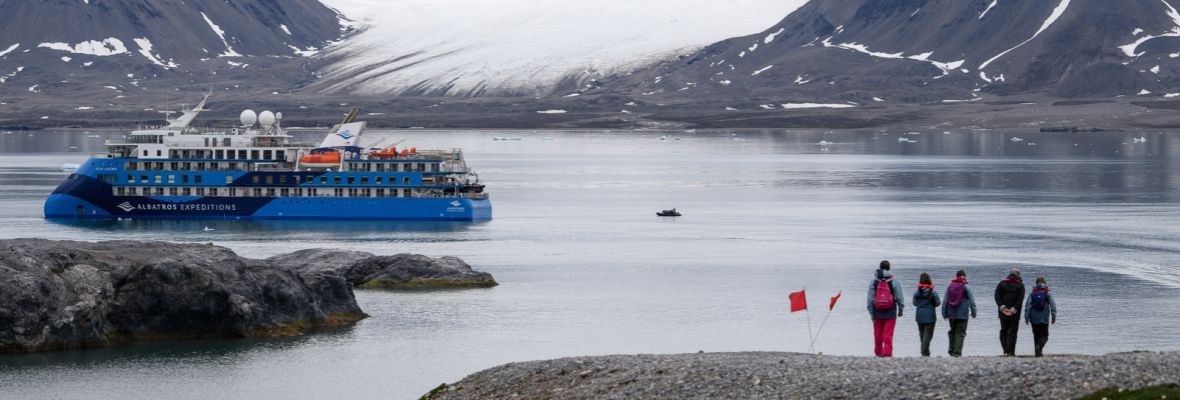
(253, 172)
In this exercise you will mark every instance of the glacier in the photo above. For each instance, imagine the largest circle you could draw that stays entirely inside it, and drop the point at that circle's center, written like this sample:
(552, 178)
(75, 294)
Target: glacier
(522, 47)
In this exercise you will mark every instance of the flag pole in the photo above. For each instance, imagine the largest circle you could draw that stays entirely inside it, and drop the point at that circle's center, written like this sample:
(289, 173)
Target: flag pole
(809, 334)
(821, 329)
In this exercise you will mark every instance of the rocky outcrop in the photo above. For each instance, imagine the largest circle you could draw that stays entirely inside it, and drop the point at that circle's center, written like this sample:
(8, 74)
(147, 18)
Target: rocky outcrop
(805, 376)
(401, 271)
(64, 295)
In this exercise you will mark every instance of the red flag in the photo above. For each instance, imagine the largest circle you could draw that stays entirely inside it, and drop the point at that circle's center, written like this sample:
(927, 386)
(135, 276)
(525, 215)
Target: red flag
(832, 305)
(799, 301)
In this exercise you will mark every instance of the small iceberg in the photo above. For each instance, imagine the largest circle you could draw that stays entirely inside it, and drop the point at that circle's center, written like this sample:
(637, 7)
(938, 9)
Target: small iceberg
(825, 143)
(1140, 139)
(208, 229)
(1016, 140)
(906, 140)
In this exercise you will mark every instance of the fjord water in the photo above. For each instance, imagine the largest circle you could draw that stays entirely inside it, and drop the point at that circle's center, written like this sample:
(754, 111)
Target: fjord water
(586, 268)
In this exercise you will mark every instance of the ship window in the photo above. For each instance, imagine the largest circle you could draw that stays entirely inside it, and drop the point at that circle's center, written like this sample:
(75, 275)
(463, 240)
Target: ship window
(145, 153)
(159, 153)
(186, 192)
(242, 154)
(143, 178)
(282, 179)
(351, 180)
(254, 179)
(434, 167)
(405, 180)
(229, 179)
(298, 179)
(158, 179)
(172, 191)
(225, 142)
(267, 155)
(196, 179)
(377, 180)
(219, 154)
(130, 178)
(323, 180)
(364, 180)
(184, 179)
(254, 154)
(270, 192)
(280, 155)
(171, 178)
(336, 180)
(270, 179)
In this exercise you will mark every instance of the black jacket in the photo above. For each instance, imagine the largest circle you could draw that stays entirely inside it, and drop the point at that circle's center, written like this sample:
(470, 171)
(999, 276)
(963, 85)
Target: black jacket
(1010, 293)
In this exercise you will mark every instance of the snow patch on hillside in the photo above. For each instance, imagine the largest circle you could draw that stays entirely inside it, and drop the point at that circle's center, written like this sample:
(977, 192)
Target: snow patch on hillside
(229, 50)
(101, 48)
(1057, 12)
(145, 49)
(1132, 49)
(989, 8)
(469, 47)
(9, 50)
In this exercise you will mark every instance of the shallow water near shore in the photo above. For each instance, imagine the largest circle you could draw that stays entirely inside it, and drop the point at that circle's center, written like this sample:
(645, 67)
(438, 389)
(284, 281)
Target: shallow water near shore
(586, 268)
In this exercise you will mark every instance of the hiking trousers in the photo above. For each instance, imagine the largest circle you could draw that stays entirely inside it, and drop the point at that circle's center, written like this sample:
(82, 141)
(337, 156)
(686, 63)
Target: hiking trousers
(883, 337)
(926, 332)
(1040, 337)
(1009, 329)
(957, 334)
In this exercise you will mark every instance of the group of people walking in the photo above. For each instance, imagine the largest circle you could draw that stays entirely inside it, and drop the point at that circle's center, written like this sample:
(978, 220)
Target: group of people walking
(886, 304)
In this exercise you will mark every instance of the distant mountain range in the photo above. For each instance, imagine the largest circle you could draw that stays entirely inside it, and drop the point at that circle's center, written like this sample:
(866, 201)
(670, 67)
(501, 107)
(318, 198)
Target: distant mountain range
(866, 51)
(597, 57)
(76, 47)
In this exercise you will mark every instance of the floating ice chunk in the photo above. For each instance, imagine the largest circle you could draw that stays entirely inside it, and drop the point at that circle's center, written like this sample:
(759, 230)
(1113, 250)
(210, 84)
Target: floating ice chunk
(815, 105)
(878, 99)
(766, 106)
(551, 112)
(1140, 139)
(1016, 139)
(799, 80)
(1171, 95)
(730, 109)
(825, 143)
(725, 82)
(84, 108)
(904, 139)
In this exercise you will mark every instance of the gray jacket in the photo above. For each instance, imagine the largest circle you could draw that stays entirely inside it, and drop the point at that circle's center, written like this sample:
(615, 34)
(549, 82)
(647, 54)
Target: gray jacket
(964, 310)
(1041, 317)
(898, 299)
(926, 303)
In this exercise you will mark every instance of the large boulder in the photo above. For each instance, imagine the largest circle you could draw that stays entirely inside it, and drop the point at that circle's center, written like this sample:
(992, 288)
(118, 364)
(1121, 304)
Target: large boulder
(401, 271)
(63, 295)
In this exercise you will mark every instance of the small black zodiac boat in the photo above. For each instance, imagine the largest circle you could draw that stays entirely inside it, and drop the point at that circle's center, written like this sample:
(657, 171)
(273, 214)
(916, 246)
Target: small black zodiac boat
(668, 213)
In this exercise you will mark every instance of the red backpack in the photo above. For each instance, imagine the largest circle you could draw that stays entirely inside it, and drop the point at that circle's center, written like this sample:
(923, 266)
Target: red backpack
(883, 300)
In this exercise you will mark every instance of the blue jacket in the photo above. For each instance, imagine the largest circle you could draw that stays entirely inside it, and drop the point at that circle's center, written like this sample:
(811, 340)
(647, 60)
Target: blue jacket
(1041, 317)
(926, 302)
(961, 312)
(898, 299)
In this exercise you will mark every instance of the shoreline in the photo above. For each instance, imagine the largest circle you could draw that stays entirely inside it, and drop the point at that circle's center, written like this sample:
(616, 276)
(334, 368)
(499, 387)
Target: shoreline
(796, 375)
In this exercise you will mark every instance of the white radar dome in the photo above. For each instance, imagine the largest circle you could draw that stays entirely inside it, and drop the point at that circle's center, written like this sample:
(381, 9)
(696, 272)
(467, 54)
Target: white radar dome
(266, 118)
(249, 118)
(279, 116)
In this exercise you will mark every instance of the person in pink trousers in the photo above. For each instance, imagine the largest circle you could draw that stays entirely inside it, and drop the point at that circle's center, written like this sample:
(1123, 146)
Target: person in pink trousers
(885, 303)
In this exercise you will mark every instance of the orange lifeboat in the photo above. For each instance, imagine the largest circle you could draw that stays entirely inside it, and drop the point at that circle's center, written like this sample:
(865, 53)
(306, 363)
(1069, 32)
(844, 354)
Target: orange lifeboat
(321, 160)
(388, 152)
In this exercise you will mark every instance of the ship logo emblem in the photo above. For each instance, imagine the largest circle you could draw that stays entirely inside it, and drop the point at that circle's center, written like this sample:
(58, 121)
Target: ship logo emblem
(345, 135)
(456, 203)
(126, 206)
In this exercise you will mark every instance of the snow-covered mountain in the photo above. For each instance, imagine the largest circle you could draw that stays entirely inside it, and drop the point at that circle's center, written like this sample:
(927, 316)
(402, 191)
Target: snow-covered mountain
(866, 51)
(117, 46)
(523, 47)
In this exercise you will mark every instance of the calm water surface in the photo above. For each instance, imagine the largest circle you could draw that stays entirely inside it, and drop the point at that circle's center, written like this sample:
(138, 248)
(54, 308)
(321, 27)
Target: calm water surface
(586, 268)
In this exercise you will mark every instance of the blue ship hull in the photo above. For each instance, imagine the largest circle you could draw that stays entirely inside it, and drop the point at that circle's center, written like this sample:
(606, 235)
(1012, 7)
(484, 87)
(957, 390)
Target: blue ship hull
(85, 196)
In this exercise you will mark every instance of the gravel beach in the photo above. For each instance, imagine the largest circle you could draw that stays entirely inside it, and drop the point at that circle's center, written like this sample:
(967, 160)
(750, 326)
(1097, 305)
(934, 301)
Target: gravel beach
(804, 376)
